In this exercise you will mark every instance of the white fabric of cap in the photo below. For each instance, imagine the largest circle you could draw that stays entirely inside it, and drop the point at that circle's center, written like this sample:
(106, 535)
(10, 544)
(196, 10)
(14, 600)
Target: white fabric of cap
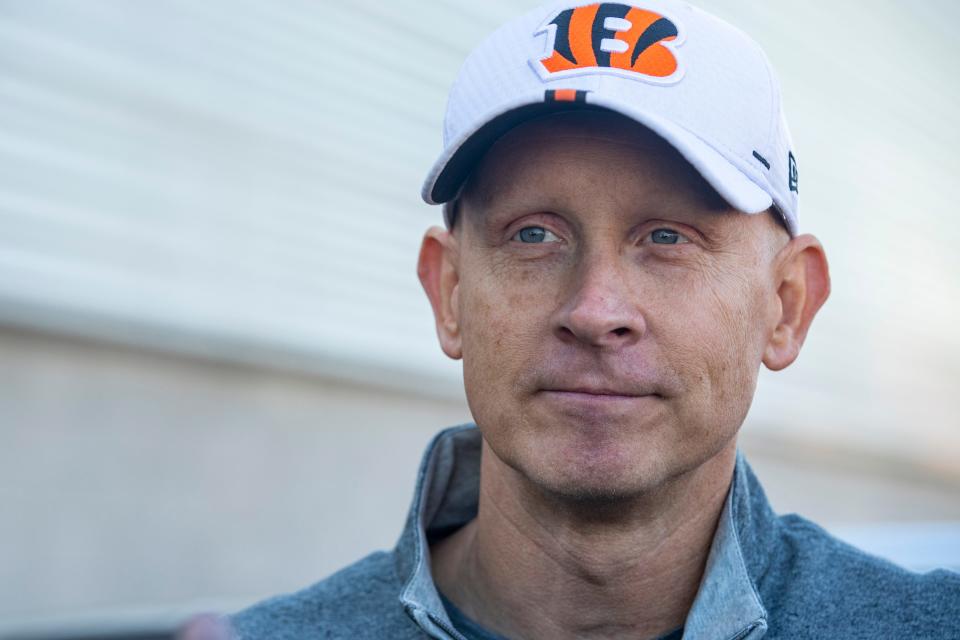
(720, 109)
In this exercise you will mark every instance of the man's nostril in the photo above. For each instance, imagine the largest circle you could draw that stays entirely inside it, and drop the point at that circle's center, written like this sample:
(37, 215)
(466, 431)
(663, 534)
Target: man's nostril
(621, 331)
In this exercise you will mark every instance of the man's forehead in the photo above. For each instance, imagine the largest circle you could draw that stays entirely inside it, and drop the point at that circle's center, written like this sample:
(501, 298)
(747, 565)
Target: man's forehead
(594, 124)
(593, 140)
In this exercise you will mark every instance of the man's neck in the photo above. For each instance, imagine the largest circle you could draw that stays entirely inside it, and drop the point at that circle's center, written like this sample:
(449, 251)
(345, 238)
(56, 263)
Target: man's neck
(530, 567)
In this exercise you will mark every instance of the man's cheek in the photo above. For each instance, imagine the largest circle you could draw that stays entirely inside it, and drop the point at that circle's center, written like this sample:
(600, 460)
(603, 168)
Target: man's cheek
(730, 302)
(508, 307)
(732, 364)
(708, 353)
(488, 329)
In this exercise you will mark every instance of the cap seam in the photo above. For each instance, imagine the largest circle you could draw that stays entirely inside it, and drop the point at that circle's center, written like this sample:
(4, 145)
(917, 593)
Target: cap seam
(788, 213)
(775, 97)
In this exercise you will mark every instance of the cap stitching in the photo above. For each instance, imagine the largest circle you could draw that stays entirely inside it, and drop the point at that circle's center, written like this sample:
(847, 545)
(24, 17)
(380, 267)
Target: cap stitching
(774, 93)
(788, 213)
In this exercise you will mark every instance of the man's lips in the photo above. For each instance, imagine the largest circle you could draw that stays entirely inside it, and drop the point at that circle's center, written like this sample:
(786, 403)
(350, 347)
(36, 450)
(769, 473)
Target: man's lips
(594, 394)
(598, 392)
(600, 381)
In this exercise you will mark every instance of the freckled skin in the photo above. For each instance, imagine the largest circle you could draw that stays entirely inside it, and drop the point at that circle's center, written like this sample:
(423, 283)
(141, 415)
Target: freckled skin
(686, 325)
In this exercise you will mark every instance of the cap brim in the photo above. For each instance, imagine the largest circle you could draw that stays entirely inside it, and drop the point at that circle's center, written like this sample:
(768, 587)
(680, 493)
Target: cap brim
(451, 170)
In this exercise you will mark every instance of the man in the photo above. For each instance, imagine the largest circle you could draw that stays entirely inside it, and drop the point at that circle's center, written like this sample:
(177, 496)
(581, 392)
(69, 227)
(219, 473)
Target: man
(621, 254)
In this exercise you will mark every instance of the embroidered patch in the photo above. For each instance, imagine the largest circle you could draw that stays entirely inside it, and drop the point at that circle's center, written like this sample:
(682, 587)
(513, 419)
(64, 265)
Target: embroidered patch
(611, 37)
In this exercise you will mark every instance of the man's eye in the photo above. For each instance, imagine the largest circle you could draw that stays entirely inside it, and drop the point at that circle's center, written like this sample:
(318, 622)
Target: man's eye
(668, 236)
(532, 235)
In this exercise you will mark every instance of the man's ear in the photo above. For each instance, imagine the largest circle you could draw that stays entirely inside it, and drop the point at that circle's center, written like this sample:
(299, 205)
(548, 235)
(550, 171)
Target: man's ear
(438, 270)
(803, 284)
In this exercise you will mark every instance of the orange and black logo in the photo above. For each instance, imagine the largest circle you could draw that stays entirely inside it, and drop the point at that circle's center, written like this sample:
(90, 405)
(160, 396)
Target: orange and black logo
(616, 37)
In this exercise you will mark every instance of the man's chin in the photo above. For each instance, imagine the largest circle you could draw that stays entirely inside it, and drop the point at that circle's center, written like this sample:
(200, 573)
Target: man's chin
(598, 477)
(603, 500)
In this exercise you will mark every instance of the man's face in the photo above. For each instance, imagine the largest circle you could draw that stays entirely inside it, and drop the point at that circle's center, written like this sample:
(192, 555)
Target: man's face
(612, 312)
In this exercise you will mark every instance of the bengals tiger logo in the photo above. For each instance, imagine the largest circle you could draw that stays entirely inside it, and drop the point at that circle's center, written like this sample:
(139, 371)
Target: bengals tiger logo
(620, 38)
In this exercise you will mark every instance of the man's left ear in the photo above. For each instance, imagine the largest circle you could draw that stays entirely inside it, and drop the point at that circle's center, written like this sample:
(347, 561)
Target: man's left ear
(803, 285)
(441, 282)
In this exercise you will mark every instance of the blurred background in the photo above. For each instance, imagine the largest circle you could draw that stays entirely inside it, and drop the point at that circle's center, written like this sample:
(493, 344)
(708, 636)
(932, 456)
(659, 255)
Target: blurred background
(218, 370)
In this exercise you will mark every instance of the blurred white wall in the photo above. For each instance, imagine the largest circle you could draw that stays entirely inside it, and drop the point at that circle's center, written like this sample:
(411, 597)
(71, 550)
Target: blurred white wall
(218, 370)
(132, 479)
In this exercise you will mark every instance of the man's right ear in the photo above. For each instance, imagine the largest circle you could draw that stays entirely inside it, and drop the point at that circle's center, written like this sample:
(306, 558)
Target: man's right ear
(437, 268)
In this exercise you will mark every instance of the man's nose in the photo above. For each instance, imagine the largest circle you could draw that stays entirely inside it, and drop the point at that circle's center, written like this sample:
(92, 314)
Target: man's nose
(601, 308)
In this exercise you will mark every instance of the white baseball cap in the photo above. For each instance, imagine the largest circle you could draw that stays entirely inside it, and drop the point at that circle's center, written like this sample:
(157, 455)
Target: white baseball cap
(697, 81)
